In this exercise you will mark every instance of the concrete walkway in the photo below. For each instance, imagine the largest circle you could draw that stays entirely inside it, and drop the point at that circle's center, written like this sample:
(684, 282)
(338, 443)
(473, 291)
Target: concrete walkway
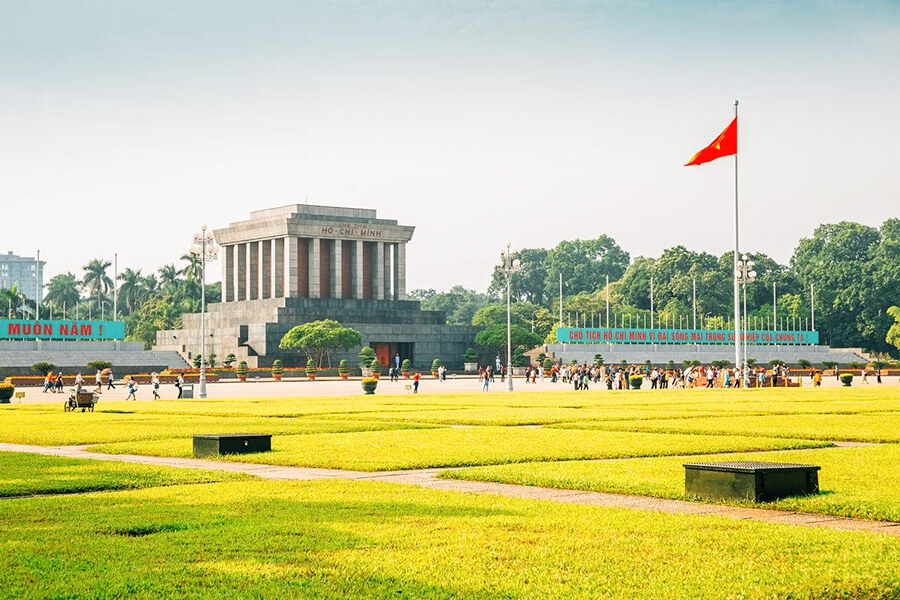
(428, 478)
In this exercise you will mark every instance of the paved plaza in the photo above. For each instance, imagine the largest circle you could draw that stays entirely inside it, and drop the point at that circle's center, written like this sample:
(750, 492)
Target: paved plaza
(290, 388)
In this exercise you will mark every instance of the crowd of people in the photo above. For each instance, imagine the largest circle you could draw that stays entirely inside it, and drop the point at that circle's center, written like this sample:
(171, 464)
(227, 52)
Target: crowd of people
(620, 377)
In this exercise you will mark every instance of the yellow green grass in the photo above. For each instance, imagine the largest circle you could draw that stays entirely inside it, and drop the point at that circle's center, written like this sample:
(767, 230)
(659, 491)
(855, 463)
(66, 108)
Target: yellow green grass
(28, 474)
(862, 482)
(362, 539)
(56, 428)
(868, 427)
(422, 448)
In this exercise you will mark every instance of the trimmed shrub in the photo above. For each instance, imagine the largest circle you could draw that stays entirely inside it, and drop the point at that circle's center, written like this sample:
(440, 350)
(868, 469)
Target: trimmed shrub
(342, 366)
(277, 367)
(43, 367)
(241, 368)
(406, 366)
(470, 355)
(366, 356)
(435, 365)
(98, 365)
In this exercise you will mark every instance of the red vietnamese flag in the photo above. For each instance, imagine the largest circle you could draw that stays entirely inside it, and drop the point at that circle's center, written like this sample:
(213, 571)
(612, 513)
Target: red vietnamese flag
(724, 145)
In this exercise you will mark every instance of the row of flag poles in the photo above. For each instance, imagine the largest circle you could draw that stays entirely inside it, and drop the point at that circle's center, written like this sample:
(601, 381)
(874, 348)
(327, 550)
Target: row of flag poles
(726, 145)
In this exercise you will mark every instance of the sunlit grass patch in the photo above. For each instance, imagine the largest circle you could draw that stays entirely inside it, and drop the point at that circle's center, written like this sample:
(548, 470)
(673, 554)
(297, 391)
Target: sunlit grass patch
(364, 539)
(411, 448)
(867, 427)
(60, 428)
(26, 474)
(861, 482)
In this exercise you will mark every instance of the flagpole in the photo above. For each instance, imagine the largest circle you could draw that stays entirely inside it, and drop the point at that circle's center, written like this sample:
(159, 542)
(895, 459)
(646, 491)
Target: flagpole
(737, 298)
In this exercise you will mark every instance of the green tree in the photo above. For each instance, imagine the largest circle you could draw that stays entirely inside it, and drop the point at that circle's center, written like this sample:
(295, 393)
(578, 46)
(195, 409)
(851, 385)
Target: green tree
(62, 293)
(893, 334)
(459, 304)
(584, 265)
(494, 338)
(133, 290)
(319, 340)
(95, 280)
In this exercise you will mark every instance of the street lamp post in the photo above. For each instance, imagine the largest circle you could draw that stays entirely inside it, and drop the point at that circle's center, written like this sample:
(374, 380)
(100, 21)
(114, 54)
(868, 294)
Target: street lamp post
(745, 274)
(508, 264)
(205, 248)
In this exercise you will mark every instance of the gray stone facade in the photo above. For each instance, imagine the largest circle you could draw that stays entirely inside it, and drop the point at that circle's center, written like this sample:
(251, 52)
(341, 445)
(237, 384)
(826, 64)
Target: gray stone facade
(300, 263)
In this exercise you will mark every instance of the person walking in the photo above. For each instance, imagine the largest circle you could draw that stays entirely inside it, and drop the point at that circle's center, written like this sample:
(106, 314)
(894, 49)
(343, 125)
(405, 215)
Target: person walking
(179, 383)
(48, 381)
(416, 379)
(98, 379)
(485, 381)
(132, 389)
(110, 380)
(154, 382)
(59, 383)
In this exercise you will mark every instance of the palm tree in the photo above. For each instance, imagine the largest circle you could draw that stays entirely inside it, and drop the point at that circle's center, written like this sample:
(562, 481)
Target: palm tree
(62, 292)
(168, 278)
(132, 289)
(96, 280)
(13, 301)
(194, 267)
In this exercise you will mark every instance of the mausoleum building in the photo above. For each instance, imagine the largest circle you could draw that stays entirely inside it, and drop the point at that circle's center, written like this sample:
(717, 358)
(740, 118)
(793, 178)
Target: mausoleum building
(299, 263)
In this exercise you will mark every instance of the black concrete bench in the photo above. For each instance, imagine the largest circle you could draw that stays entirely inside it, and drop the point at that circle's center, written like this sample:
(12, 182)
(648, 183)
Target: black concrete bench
(231, 443)
(750, 480)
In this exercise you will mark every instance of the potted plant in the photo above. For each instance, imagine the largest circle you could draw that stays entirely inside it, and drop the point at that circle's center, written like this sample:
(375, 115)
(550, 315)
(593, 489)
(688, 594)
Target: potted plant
(846, 379)
(366, 356)
(470, 360)
(406, 368)
(343, 369)
(311, 369)
(242, 370)
(228, 360)
(375, 368)
(547, 364)
(369, 384)
(277, 369)
(435, 367)
(636, 381)
(6, 392)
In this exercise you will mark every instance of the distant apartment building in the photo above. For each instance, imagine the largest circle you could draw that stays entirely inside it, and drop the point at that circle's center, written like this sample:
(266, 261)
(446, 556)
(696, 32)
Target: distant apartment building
(24, 272)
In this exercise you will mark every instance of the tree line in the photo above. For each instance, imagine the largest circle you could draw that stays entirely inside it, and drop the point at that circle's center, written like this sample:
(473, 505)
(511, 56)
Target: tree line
(145, 302)
(852, 268)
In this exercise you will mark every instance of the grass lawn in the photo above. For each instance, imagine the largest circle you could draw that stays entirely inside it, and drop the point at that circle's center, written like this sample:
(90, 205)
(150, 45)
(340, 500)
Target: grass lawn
(365, 539)
(26, 474)
(862, 482)
(421, 448)
(868, 427)
(59, 428)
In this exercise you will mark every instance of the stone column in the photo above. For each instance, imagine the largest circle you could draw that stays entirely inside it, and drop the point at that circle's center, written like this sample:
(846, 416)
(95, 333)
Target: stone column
(290, 267)
(240, 272)
(358, 270)
(265, 269)
(227, 274)
(378, 275)
(314, 279)
(252, 270)
(400, 272)
(273, 269)
(336, 272)
(387, 272)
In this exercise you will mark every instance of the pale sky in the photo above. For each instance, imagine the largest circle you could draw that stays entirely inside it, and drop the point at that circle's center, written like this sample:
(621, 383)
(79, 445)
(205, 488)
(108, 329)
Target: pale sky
(125, 126)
